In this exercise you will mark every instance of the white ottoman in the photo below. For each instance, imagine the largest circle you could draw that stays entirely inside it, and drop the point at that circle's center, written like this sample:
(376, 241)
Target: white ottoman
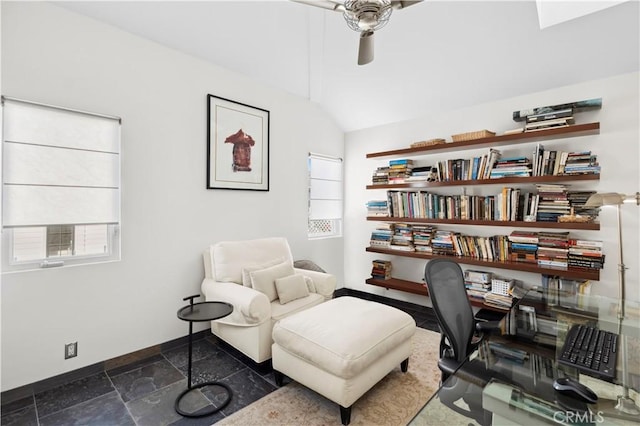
(341, 348)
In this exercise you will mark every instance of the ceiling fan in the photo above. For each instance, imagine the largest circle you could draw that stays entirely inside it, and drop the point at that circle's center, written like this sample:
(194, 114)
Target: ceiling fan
(364, 16)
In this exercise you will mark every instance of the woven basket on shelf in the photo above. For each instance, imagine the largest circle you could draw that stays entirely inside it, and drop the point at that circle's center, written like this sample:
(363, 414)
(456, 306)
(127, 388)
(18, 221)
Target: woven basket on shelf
(469, 136)
(427, 143)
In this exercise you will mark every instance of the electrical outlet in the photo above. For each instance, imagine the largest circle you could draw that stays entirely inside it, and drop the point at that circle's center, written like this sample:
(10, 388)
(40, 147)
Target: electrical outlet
(70, 350)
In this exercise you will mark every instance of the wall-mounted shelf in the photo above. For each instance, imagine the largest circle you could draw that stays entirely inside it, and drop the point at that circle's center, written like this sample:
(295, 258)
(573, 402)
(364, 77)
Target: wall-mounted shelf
(500, 181)
(551, 134)
(513, 266)
(419, 288)
(575, 130)
(511, 224)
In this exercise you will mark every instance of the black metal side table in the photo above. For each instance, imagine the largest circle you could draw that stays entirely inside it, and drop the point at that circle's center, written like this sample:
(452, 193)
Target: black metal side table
(199, 312)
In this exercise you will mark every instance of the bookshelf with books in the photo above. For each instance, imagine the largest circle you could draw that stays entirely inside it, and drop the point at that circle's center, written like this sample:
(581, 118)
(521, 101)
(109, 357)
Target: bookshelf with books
(546, 169)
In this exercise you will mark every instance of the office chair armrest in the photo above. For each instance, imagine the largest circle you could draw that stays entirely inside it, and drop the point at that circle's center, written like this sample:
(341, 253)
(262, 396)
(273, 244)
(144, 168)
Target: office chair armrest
(487, 327)
(448, 365)
(472, 371)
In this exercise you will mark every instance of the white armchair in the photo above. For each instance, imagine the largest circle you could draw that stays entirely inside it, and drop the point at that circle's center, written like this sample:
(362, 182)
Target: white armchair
(231, 267)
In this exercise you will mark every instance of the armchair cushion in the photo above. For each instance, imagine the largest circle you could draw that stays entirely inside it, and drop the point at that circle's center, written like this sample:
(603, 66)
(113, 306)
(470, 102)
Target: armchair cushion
(323, 284)
(264, 280)
(229, 257)
(246, 270)
(291, 288)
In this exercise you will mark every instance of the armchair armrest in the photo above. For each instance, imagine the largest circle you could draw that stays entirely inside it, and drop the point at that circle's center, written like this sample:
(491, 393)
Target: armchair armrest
(250, 307)
(324, 283)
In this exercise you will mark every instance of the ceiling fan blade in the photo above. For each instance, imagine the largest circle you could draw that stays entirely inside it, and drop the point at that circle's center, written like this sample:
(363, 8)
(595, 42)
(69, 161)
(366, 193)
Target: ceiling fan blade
(401, 4)
(325, 4)
(365, 51)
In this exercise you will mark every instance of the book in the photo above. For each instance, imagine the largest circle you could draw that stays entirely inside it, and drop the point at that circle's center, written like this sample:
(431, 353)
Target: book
(577, 106)
(562, 113)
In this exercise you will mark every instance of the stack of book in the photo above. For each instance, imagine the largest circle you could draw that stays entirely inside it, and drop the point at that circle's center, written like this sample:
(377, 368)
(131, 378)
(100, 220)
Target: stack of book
(585, 254)
(498, 300)
(510, 167)
(402, 237)
(422, 237)
(577, 199)
(581, 163)
(553, 248)
(507, 204)
(381, 236)
(466, 169)
(486, 248)
(560, 110)
(523, 246)
(442, 243)
(549, 119)
(380, 176)
(400, 170)
(381, 269)
(478, 283)
(422, 174)
(552, 202)
(377, 208)
(558, 163)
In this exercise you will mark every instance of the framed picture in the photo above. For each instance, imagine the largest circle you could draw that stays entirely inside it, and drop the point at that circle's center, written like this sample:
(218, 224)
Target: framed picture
(237, 145)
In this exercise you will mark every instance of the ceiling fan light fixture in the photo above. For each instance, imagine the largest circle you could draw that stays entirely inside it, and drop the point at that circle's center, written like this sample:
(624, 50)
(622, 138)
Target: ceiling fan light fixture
(367, 15)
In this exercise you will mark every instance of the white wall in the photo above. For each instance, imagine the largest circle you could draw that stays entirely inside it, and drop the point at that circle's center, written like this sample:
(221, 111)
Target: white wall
(54, 56)
(616, 147)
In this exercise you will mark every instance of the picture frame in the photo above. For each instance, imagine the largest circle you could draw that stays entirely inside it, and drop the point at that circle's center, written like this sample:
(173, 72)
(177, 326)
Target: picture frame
(237, 145)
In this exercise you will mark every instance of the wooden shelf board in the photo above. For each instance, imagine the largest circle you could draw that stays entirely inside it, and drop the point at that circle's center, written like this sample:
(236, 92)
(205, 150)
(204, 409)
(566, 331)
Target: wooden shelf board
(500, 181)
(418, 288)
(513, 224)
(525, 137)
(514, 266)
(398, 284)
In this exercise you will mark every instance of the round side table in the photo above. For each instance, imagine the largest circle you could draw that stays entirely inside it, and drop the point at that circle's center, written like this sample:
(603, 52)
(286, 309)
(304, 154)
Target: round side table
(199, 312)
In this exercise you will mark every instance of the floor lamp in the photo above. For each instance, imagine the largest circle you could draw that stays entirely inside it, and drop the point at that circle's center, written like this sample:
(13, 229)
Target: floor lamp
(625, 405)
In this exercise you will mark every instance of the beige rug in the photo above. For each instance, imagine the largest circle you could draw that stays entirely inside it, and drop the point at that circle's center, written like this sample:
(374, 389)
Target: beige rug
(393, 401)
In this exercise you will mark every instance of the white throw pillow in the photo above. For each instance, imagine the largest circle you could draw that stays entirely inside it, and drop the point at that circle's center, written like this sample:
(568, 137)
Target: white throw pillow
(264, 280)
(310, 285)
(246, 277)
(291, 288)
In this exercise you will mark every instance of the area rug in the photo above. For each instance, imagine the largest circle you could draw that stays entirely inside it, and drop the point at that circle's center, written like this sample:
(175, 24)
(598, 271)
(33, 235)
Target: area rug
(393, 401)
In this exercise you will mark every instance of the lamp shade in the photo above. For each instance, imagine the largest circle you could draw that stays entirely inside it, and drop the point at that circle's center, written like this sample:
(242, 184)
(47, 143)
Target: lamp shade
(611, 199)
(605, 199)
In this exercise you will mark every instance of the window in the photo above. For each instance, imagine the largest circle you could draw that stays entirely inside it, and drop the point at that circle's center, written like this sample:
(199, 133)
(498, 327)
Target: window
(325, 196)
(60, 186)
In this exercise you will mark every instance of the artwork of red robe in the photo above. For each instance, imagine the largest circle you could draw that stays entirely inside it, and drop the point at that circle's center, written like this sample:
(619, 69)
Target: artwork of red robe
(242, 144)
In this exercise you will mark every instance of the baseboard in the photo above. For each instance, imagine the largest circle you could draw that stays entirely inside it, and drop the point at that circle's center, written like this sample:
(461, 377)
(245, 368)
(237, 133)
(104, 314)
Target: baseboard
(29, 390)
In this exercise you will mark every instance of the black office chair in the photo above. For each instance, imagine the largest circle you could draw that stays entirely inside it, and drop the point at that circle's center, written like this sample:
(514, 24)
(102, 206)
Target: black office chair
(459, 338)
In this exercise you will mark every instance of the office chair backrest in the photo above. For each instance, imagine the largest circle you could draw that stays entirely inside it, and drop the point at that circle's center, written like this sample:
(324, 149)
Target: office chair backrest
(445, 282)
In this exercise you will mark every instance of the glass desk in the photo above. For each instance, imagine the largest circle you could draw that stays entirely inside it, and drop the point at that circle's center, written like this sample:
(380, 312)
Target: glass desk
(509, 380)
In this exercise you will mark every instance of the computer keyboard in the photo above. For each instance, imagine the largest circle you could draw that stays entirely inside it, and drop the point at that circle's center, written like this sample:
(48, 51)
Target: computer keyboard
(590, 350)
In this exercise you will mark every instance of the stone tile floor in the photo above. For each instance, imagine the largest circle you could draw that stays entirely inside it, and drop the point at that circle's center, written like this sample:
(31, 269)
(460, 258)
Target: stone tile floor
(144, 393)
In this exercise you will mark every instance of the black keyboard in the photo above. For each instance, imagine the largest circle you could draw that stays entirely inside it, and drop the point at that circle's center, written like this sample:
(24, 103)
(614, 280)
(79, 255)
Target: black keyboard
(591, 351)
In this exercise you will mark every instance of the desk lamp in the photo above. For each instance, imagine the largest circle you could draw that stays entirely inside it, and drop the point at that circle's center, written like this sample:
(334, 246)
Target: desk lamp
(625, 405)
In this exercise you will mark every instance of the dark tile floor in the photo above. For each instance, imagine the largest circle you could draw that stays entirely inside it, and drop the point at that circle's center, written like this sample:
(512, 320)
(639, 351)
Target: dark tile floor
(143, 393)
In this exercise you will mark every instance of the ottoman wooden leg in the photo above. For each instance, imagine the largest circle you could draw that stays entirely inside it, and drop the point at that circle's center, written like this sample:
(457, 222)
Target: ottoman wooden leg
(345, 415)
(279, 377)
(404, 365)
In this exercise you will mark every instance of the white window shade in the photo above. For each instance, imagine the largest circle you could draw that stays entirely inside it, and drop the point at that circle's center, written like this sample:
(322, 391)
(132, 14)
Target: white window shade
(325, 187)
(59, 166)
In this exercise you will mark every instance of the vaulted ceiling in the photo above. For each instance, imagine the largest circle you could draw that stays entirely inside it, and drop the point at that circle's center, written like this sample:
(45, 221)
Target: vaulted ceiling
(433, 56)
